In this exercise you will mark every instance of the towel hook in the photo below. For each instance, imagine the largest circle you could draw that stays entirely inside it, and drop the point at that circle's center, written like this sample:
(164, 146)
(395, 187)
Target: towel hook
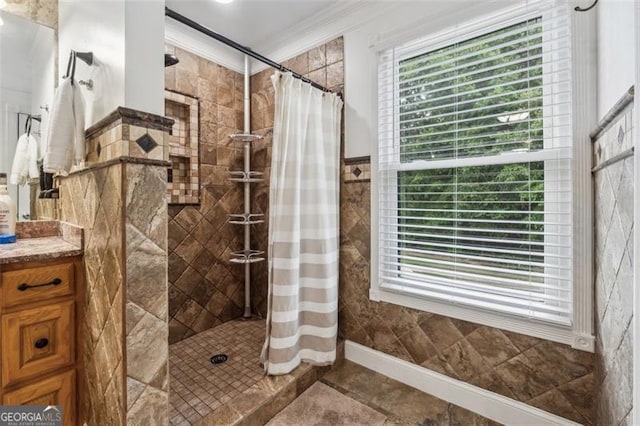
(585, 9)
(86, 57)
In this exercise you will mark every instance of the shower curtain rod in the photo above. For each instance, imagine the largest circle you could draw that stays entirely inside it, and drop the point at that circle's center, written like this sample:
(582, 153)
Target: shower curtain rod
(247, 51)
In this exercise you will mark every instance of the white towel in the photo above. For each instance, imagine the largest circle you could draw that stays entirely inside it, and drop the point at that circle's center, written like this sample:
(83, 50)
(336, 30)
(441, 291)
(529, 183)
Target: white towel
(65, 138)
(25, 162)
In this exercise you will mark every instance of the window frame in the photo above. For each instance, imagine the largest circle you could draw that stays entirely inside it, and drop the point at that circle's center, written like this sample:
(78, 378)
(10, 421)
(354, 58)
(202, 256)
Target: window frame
(580, 333)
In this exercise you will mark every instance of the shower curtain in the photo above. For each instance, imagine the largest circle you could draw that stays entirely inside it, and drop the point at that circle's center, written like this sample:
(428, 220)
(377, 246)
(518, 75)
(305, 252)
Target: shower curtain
(304, 210)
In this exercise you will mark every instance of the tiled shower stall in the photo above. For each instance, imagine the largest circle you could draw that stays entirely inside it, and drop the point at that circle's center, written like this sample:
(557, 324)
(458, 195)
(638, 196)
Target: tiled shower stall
(206, 291)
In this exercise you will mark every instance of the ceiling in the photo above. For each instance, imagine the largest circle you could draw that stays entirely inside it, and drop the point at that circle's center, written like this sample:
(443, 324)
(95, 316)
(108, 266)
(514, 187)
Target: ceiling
(249, 22)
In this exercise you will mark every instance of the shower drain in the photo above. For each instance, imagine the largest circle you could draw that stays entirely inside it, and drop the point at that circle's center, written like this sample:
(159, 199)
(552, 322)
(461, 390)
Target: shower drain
(219, 358)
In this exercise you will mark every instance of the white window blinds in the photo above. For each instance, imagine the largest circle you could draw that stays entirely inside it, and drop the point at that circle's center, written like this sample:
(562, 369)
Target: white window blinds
(474, 166)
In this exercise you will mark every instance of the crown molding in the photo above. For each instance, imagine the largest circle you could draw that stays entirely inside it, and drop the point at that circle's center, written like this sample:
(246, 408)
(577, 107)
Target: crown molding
(199, 44)
(324, 26)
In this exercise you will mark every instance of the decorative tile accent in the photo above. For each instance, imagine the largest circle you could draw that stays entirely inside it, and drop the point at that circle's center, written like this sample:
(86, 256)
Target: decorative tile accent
(184, 155)
(359, 171)
(616, 137)
(620, 135)
(117, 134)
(204, 288)
(146, 142)
(613, 275)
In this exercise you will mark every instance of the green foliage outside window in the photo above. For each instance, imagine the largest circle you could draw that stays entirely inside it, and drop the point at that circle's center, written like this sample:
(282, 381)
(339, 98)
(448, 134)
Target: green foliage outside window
(480, 97)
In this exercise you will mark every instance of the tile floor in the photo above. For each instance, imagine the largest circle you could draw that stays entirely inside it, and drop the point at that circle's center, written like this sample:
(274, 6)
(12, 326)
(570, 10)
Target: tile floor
(321, 405)
(401, 404)
(197, 387)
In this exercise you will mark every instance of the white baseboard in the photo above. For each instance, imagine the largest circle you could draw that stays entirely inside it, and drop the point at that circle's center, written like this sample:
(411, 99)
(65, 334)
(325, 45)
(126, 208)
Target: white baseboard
(486, 403)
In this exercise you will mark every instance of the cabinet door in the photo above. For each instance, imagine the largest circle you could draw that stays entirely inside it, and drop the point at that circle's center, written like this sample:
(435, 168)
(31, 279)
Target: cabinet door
(37, 341)
(56, 390)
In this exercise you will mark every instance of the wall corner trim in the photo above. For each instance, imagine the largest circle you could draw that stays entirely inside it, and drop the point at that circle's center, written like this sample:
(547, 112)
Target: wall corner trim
(486, 403)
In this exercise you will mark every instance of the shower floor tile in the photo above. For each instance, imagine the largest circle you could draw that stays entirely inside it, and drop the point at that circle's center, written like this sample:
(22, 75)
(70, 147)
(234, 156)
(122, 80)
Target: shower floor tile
(197, 386)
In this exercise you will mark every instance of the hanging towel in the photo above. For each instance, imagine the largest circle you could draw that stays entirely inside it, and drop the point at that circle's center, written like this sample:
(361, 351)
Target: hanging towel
(65, 138)
(25, 162)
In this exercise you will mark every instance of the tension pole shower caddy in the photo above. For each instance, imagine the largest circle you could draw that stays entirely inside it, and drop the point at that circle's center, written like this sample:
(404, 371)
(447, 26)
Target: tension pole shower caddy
(247, 256)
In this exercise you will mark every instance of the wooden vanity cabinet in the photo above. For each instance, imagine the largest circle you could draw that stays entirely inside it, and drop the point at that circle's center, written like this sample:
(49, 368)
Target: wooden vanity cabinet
(40, 317)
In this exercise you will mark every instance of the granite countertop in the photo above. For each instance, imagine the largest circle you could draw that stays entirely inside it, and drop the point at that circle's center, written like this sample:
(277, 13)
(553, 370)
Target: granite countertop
(41, 240)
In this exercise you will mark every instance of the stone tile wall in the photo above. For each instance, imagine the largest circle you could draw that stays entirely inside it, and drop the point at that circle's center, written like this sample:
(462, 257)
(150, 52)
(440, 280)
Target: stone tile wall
(122, 207)
(614, 272)
(550, 376)
(93, 200)
(205, 289)
(146, 327)
(547, 375)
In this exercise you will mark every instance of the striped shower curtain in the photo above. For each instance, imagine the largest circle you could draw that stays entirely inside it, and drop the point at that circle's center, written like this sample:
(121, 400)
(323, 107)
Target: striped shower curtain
(304, 212)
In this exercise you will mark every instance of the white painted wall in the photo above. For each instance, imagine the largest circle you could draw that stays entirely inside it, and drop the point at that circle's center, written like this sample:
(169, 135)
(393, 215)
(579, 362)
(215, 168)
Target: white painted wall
(43, 60)
(616, 52)
(97, 26)
(127, 39)
(144, 55)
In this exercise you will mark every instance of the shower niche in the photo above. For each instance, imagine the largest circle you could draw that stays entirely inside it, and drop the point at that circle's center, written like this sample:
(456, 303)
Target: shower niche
(183, 179)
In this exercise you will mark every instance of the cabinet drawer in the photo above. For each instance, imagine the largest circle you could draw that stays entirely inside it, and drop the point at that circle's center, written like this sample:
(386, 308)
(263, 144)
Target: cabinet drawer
(37, 284)
(56, 390)
(37, 341)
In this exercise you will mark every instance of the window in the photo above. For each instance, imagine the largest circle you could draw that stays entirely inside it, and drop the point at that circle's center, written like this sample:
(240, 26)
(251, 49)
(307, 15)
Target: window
(474, 175)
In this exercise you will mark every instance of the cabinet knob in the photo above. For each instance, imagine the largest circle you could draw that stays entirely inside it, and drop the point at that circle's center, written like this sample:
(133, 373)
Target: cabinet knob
(42, 343)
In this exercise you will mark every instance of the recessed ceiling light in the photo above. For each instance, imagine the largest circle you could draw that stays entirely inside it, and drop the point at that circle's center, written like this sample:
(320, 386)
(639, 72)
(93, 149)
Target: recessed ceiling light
(3, 3)
(218, 1)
